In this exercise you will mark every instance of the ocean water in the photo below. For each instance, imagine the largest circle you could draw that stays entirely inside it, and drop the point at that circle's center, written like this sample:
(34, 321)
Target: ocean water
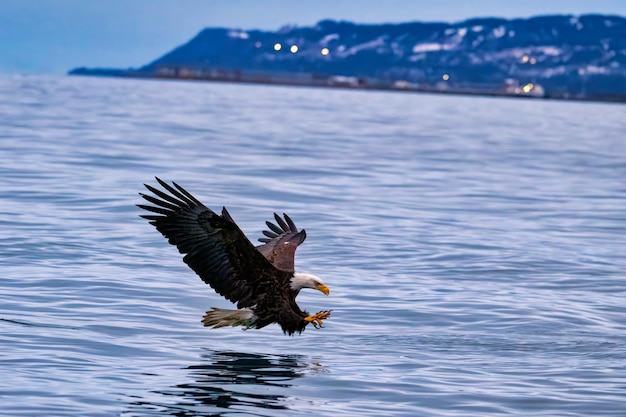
(474, 248)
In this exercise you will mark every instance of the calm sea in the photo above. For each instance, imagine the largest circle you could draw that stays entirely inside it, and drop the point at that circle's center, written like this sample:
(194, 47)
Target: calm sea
(475, 249)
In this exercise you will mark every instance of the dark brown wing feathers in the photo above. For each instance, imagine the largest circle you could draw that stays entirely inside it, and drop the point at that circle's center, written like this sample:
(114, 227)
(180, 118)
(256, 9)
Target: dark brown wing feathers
(281, 242)
(213, 245)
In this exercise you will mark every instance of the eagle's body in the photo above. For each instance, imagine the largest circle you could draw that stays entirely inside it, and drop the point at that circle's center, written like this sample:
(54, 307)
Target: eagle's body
(260, 280)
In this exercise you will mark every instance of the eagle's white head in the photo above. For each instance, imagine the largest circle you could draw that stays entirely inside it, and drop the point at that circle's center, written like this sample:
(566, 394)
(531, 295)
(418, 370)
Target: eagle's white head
(301, 280)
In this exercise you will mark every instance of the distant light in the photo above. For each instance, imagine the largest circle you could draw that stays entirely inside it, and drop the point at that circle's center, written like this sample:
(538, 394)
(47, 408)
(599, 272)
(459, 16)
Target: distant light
(446, 77)
(277, 46)
(533, 61)
(293, 49)
(325, 51)
(528, 87)
(258, 44)
(525, 58)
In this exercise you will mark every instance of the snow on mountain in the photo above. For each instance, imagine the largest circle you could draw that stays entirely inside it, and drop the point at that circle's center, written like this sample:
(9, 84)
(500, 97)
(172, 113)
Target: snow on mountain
(567, 55)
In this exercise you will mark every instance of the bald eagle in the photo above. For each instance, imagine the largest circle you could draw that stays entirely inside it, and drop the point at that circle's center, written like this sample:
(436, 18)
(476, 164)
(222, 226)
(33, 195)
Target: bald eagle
(261, 280)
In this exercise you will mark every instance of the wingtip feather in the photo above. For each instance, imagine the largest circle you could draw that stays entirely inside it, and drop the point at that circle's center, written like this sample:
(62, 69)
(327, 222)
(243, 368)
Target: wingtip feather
(274, 228)
(281, 222)
(292, 225)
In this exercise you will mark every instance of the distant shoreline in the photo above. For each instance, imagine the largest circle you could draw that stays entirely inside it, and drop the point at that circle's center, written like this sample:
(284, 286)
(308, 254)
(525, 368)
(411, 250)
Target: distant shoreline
(296, 80)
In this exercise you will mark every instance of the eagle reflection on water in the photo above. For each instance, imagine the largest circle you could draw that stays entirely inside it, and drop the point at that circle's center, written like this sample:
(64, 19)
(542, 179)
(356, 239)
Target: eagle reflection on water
(224, 381)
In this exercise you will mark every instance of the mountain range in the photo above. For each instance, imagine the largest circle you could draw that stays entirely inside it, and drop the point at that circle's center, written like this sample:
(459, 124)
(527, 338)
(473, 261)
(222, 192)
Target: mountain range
(568, 56)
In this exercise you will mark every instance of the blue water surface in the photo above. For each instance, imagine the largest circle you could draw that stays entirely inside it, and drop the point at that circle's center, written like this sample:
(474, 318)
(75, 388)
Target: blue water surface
(474, 247)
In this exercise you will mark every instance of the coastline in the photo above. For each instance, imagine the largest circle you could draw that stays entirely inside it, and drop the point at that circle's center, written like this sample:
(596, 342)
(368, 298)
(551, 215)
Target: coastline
(329, 81)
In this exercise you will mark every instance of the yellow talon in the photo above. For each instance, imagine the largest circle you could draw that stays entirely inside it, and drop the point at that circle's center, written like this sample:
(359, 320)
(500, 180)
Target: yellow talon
(317, 319)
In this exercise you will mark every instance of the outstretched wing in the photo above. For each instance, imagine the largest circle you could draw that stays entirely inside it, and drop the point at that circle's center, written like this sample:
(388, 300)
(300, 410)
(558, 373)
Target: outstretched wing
(281, 242)
(213, 245)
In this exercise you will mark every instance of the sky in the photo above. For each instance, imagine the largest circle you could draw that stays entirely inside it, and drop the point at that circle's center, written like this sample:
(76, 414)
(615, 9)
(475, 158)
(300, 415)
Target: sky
(53, 36)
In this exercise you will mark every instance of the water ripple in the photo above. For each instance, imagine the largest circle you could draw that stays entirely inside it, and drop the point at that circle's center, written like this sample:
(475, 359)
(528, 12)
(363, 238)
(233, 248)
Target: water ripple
(474, 250)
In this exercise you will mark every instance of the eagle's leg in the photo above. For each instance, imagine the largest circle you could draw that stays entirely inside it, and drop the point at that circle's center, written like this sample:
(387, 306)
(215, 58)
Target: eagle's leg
(317, 319)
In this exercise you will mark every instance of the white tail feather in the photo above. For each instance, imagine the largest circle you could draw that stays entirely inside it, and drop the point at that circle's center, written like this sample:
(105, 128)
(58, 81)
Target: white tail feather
(219, 317)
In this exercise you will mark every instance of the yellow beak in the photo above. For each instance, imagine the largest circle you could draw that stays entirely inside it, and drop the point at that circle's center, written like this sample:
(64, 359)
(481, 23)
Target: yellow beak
(323, 288)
